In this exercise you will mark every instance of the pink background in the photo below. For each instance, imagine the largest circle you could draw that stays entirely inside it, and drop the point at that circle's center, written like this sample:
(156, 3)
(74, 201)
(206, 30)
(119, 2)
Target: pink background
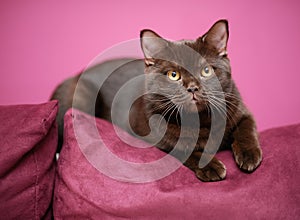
(43, 42)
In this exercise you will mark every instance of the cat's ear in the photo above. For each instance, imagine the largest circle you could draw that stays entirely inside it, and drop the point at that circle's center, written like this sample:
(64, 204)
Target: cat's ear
(151, 44)
(217, 37)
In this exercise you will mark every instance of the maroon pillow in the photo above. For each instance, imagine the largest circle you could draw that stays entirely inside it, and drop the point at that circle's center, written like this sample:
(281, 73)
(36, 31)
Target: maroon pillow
(87, 190)
(27, 160)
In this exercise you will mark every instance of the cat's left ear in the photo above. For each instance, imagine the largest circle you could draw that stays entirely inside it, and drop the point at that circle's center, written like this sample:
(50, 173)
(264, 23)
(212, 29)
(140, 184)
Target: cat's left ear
(217, 37)
(151, 44)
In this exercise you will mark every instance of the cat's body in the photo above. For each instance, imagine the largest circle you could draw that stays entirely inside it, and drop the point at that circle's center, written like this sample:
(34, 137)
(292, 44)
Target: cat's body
(189, 84)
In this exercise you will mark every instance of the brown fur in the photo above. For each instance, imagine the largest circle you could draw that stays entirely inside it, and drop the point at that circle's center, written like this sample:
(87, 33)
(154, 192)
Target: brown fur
(172, 100)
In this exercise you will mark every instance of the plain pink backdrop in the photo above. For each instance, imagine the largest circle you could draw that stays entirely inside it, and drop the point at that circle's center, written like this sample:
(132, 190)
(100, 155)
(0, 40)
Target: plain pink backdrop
(43, 42)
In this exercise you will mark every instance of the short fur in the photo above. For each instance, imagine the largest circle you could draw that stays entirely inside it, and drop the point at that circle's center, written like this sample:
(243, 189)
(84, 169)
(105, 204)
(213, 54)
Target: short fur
(192, 96)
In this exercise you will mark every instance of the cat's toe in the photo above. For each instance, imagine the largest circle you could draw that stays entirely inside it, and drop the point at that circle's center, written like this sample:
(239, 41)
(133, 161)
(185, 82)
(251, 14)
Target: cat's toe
(214, 171)
(248, 160)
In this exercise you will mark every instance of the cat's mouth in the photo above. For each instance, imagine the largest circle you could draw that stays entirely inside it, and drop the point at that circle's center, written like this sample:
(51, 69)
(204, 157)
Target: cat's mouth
(194, 99)
(195, 104)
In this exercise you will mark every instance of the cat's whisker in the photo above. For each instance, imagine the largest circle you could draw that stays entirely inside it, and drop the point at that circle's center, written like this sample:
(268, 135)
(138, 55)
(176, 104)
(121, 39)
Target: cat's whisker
(157, 99)
(175, 107)
(208, 109)
(232, 98)
(160, 106)
(162, 116)
(179, 111)
(181, 99)
(168, 106)
(218, 107)
(217, 102)
(166, 111)
(229, 104)
(229, 95)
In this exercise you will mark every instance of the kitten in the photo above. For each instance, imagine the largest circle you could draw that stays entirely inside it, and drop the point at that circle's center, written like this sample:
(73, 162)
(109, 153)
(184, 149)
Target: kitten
(187, 83)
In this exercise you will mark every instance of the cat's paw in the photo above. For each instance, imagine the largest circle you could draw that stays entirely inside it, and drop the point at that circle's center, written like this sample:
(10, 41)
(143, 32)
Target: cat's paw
(214, 171)
(248, 159)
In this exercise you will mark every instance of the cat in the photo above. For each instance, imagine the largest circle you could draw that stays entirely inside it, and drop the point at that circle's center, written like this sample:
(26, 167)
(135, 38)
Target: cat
(189, 84)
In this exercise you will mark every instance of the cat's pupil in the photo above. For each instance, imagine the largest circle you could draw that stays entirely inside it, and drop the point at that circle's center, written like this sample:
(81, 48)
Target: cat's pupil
(206, 70)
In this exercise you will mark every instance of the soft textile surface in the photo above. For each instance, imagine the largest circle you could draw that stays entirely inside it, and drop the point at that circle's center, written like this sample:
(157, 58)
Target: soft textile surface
(271, 192)
(28, 141)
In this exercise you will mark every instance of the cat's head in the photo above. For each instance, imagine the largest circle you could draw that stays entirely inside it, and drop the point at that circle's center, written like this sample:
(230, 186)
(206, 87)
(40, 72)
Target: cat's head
(187, 73)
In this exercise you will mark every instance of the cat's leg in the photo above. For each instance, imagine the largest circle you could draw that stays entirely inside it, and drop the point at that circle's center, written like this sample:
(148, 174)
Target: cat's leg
(214, 170)
(245, 147)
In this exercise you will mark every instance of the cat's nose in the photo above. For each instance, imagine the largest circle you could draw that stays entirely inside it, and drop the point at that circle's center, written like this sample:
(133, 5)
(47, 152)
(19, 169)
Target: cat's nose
(192, 89)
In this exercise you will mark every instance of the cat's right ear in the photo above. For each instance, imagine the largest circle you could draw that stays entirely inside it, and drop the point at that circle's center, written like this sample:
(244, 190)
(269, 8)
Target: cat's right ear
(151, 44)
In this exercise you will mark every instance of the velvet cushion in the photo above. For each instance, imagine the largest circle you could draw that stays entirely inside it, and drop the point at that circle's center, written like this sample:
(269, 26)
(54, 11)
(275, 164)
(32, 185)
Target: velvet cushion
(82, 191)
(27, 160)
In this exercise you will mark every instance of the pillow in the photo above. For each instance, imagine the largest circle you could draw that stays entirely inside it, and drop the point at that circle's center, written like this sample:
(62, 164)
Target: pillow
(86, 189)
(27, 160)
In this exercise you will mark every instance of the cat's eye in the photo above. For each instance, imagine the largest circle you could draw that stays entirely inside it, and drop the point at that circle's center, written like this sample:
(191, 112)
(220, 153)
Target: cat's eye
(173, 75)
(207, 71)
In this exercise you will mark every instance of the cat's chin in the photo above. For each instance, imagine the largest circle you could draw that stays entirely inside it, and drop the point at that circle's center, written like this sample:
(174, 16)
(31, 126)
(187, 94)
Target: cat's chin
(194, 106)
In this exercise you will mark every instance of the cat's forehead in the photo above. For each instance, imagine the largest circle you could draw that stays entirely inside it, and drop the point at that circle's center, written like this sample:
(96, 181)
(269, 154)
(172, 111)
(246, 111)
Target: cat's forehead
(188, 47)
(187, 53)
(184, 42)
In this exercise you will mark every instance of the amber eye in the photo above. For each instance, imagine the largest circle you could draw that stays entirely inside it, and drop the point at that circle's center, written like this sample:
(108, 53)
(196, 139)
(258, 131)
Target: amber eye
(207, 71)
(173, 75)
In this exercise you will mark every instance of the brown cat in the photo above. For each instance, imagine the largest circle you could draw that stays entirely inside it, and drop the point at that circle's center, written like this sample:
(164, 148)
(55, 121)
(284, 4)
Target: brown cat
(187, 83)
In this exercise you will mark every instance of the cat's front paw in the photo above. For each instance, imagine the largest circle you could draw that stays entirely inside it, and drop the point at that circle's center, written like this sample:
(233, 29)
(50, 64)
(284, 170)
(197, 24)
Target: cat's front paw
(214, 171)
(248, 159)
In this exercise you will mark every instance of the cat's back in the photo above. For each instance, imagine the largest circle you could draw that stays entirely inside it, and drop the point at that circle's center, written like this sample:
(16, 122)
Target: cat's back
(94, 90)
